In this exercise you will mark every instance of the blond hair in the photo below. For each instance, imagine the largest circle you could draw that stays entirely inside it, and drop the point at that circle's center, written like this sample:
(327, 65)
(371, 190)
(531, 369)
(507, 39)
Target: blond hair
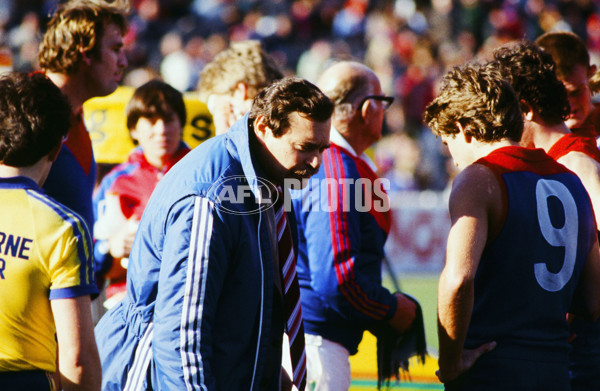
(76, 29)
(244, 61)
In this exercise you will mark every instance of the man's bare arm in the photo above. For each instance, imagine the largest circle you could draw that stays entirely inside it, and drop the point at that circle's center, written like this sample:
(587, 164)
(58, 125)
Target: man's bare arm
(78, 360)
(588, 171)
(474, 196)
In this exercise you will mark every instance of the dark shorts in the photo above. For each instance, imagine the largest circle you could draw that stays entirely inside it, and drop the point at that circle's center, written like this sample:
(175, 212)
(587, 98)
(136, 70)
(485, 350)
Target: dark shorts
(501, 374)
(25, 380)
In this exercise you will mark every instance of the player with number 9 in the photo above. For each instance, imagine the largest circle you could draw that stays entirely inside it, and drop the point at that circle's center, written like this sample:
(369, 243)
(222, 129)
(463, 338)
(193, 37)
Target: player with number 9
(522, 250)
(545, 101)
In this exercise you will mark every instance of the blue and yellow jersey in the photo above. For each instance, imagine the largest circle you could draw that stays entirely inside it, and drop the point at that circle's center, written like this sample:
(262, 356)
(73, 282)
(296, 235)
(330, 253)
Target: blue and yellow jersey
(45, 254)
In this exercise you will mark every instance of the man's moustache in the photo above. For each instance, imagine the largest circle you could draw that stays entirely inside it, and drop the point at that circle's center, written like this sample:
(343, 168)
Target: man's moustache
(305, 173)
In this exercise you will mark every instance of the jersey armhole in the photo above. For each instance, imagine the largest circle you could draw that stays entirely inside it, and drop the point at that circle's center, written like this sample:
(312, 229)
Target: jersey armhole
(495, 228)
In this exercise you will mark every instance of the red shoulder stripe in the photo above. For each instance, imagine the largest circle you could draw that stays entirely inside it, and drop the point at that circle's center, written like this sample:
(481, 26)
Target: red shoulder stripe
(80, 144)
(514, 158)
(575, 143)
(343, 261)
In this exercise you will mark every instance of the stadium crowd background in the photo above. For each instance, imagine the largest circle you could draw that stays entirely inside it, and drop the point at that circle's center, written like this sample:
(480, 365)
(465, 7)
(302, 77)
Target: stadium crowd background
(409, 43)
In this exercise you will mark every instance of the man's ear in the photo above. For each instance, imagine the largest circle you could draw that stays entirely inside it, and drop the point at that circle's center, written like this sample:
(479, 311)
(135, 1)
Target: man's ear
(85, 57)
(366, 109)
(591, 70)
(461, 130)
(133, 134)
(527, 110)
(241, 91)
(261, 127)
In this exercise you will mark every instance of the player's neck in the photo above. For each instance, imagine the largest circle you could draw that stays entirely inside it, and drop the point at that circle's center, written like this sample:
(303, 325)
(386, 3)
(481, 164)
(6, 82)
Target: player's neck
(37, 172)
(355, 139)
(74, 89)
(550, 135)
(482, 149)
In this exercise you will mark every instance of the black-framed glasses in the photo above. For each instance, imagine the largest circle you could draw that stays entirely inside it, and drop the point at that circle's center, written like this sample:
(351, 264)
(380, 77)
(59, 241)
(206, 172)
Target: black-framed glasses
(386, 101)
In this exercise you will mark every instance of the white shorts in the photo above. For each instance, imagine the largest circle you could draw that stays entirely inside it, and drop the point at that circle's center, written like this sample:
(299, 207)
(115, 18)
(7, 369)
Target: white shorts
(327, 364)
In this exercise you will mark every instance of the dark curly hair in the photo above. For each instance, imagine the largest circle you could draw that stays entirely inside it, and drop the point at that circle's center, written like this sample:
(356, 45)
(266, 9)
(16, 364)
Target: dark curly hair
(531, 72)
(288, 95)
(34, 118)
(477, 97)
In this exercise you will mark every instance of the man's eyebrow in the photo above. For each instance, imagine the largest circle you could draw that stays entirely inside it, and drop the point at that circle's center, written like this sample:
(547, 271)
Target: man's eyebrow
(314, 144)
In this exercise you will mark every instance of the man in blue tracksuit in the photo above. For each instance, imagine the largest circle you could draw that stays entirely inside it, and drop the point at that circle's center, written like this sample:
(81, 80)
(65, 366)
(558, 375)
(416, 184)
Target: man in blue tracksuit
(204, 304)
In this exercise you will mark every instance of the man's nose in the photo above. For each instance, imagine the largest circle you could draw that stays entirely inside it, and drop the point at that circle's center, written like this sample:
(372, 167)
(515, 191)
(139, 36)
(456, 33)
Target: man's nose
(159, 126)
(314, 161)
(122, 62)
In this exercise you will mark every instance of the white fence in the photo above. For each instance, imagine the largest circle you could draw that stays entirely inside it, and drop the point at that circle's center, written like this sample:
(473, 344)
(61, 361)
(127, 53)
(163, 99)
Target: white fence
(419, 231)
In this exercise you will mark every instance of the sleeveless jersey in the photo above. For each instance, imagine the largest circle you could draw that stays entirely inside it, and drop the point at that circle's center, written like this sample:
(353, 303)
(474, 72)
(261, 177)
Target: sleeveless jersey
(528, 274)
(72, 177)
(585, 352)
(571, 142)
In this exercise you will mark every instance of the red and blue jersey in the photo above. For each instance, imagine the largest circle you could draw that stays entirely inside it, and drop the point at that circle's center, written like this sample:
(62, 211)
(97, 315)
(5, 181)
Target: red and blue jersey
(72, 178)
(585, 352)
(343, 220)
(529, 272)
(572, 142)
(132, 182)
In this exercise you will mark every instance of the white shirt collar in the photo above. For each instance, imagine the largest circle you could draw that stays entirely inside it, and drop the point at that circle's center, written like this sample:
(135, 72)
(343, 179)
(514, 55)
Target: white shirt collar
(336, 138)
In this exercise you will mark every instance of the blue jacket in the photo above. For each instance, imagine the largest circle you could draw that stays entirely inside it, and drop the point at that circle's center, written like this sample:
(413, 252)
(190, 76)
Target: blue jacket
(342, 229)
(202, 311)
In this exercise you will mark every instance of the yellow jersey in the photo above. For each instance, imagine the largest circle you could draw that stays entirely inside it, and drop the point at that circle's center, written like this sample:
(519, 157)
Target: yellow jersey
(45, 254)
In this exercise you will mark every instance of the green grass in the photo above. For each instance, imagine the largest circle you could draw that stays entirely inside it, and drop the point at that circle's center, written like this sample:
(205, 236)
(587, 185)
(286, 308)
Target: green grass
(364, 385)
(424, 289)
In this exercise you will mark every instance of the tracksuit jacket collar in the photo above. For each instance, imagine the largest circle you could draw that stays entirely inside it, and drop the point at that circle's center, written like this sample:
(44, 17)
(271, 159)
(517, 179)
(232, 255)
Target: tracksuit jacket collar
(240, 138)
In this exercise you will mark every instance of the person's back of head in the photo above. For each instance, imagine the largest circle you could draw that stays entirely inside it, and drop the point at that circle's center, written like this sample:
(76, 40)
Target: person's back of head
(531, 72)
(291, 94)
(34, 117)
(233, 78)
(346, 83)
(567, 49)
(76, 29)
(480, 100)
(359, 102)
(243, 61)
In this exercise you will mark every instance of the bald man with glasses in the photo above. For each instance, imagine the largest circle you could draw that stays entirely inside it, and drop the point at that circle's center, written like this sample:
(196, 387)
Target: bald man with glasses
(343, 220)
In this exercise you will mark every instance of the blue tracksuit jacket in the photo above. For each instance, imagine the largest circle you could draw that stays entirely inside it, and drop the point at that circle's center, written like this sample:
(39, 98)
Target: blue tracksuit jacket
(343, 221)
(201, 310)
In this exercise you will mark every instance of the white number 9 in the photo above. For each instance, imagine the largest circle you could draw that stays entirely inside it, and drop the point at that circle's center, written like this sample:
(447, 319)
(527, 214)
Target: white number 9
(559, 237)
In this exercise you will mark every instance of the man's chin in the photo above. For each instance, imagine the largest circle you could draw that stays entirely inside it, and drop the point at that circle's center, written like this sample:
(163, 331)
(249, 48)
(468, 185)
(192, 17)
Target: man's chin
(296, 182)
(573, 123)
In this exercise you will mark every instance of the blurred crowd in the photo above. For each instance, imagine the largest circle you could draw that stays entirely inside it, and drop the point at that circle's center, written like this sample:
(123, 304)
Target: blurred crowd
(409, 43)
